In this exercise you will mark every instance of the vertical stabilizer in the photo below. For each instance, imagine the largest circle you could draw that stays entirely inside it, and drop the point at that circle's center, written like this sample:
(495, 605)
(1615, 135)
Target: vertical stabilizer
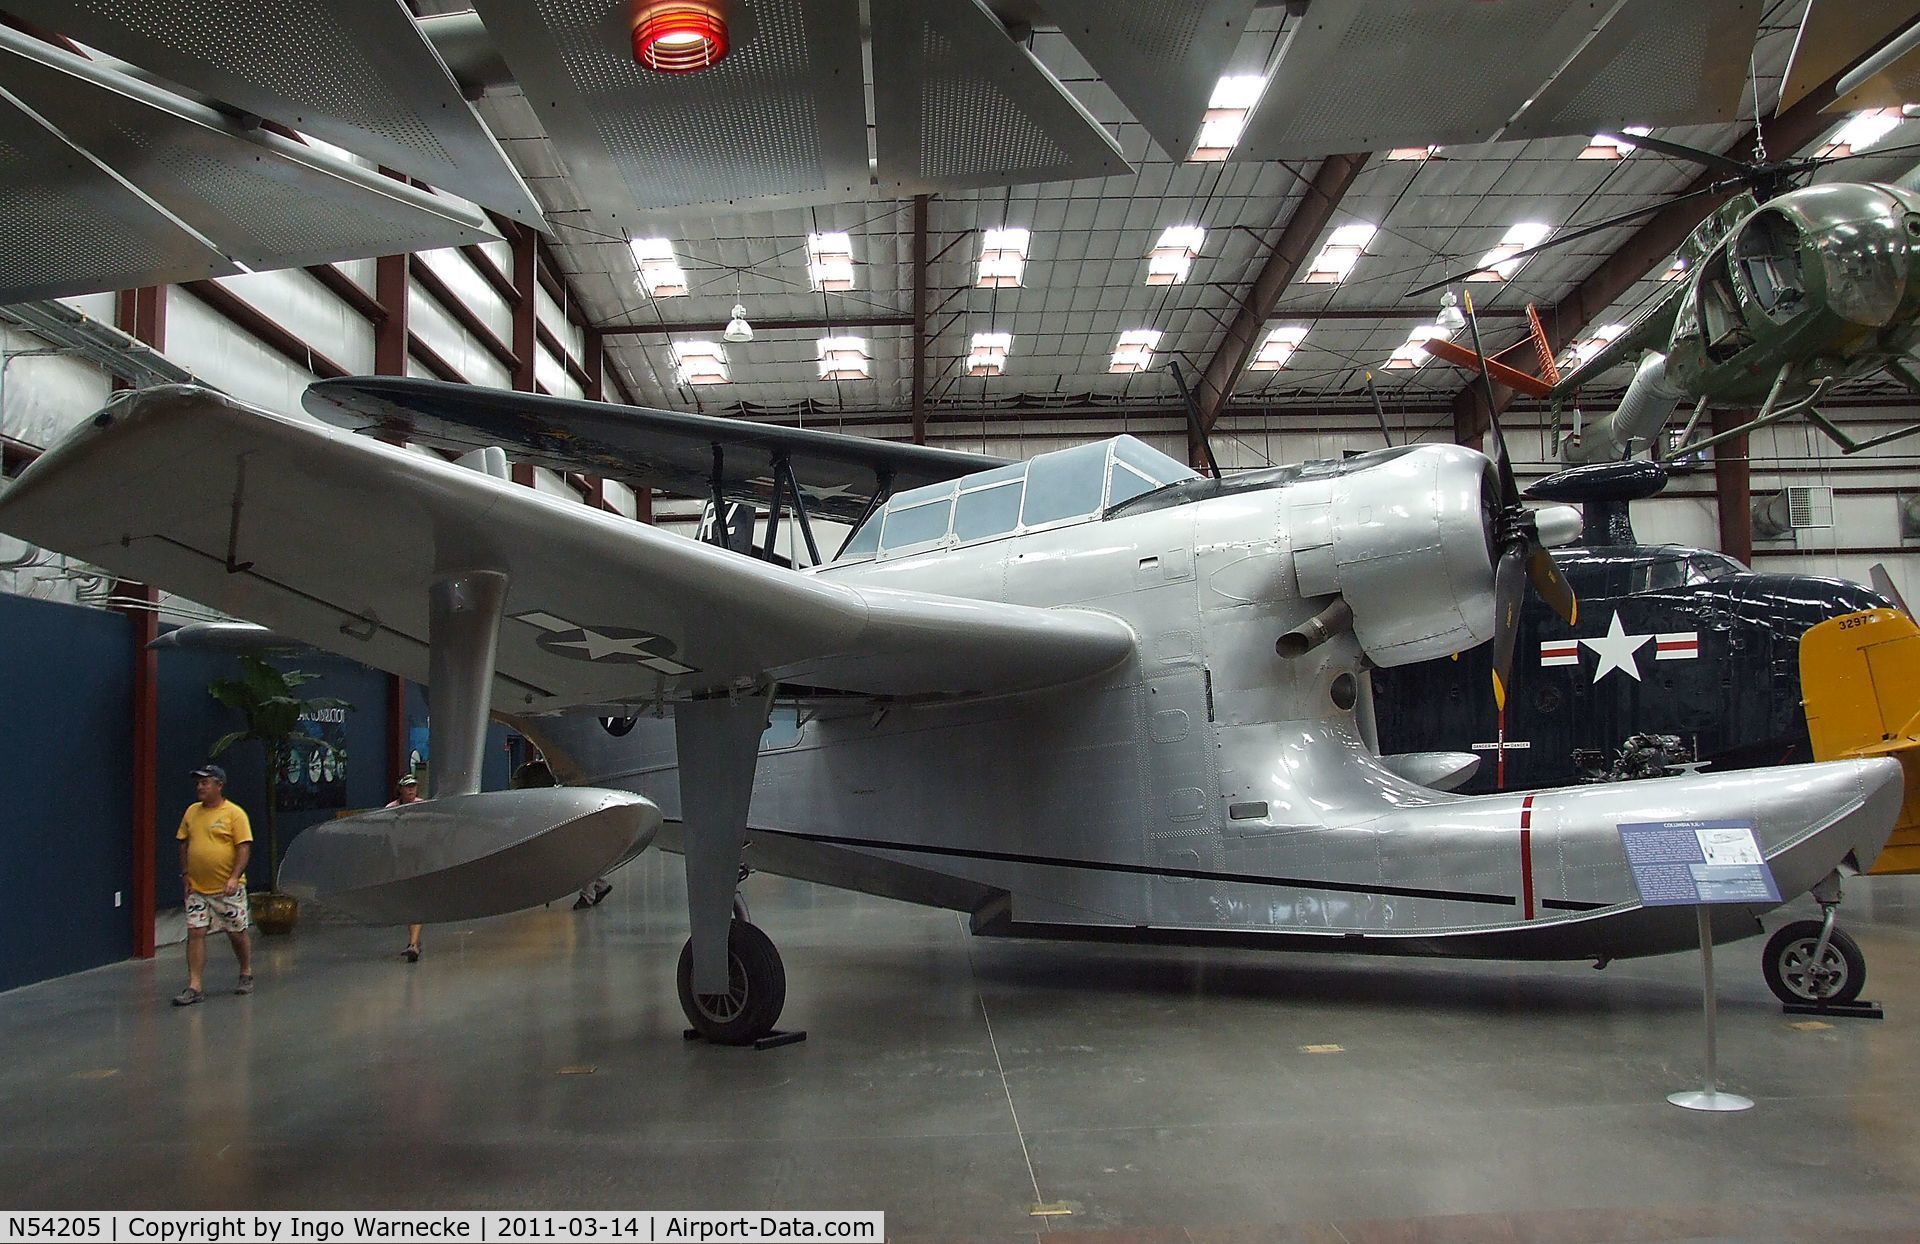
(1860, 674)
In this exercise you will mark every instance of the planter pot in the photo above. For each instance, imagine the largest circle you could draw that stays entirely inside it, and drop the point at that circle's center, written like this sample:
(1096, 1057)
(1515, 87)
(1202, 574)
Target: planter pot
(274, 913)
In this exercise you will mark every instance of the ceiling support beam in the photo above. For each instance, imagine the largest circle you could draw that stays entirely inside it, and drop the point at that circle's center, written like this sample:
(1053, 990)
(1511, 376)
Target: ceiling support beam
(1663, 233)
(759, 326)
(919, 319)
(1329, 185)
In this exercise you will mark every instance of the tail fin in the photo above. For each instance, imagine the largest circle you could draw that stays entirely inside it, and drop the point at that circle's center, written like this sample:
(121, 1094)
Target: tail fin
(1860, 681)
(1512, 377)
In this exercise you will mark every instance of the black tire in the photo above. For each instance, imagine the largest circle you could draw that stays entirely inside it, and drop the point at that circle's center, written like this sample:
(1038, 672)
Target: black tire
(757, 989)
(1794, 978)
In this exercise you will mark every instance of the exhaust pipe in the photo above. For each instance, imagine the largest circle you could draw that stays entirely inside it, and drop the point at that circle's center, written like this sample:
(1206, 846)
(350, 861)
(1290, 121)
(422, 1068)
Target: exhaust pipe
(1335, 619)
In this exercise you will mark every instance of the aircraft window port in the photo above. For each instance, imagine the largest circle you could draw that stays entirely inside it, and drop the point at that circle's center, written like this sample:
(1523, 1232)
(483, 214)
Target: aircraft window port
(1247, 811)
(1124, 483)
(1658, 576)
(1150, 462)
(915, 525)
(987, 512)
(1065, 484)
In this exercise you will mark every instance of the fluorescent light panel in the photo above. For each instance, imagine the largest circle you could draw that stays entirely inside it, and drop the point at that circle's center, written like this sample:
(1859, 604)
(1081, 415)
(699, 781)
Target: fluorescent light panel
(1135, 351)
(1409, 354)
(1499, 263)
(1278, 348)
(988, 355)
(700, 362)
(1342, 251)
(1003, 258)
(830, 262)
(660, 272)
(1584, 349)
(1172, 256)
(844, 358)
(1862, 130)
(1611, 147)
(1233, 98)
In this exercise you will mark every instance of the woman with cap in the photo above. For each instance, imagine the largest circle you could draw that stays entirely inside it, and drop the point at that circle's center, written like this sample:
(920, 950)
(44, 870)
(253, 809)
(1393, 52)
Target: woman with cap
(407, 790)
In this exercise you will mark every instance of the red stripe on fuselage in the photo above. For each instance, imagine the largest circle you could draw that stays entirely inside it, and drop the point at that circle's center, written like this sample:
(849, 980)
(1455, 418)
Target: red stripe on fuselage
(1526, 856)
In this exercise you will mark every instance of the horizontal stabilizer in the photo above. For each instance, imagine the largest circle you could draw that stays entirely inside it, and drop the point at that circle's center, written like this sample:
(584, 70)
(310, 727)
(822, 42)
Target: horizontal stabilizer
(1860, 674)
(467, 856)
(225, 637)
(1512, 377)
(1434, 770)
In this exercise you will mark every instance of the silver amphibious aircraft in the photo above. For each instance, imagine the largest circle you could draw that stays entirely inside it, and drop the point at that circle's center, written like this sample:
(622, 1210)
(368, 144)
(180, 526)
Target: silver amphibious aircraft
(1091, 695)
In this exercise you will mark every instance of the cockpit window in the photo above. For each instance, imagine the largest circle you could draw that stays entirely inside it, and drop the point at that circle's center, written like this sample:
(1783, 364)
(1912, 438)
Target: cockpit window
(916, 524)
(1150, 462)
(1727, 333)
(1065, 484)
(1706, 567)
(1657, 576)
(984, 512)
(865, 542)
(1125, 483)
(1768, 252)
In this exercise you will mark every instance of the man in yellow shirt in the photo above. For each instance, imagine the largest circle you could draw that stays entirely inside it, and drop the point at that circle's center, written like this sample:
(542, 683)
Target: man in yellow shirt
(216, 841)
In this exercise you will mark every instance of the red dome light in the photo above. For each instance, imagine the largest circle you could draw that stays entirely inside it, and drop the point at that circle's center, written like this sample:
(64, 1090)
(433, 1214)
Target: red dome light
(679, 38)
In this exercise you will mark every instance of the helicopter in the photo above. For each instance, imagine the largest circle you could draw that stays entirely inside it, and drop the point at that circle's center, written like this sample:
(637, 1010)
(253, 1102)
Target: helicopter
(1787, 292)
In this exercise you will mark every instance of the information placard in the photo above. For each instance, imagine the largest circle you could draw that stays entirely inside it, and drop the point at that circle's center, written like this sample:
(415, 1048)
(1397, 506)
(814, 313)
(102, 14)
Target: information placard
(1686, 863)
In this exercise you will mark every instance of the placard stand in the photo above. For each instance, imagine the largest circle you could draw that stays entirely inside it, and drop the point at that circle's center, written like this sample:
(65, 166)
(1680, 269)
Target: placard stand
(1710, 1097)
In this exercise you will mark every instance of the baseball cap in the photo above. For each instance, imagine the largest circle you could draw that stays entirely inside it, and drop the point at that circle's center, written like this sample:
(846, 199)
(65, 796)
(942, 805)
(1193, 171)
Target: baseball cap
(213, 771)
(408, 780)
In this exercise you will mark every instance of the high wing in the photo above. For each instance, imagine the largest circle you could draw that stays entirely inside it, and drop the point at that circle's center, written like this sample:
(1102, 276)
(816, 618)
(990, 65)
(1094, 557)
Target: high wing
(643, 448)
(333, 539)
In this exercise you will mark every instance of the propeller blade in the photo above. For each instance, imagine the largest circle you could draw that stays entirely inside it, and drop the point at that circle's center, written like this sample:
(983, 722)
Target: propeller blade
(1883, 584)
(1379, 412)
(1503, 462)
(1551, 584)
(1574, 235)
(1680, 151)
(1509, 583)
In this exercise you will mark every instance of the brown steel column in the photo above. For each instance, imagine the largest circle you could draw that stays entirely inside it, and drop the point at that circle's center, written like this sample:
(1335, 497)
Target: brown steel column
(1733, 486)
(390, 331)
(919, 319)
(526, 284)
(143, 314)
(595, 365)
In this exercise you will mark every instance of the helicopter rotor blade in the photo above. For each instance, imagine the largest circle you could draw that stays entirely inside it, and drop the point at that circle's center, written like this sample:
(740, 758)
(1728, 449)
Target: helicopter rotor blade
(1574, 235)
(1680, 151)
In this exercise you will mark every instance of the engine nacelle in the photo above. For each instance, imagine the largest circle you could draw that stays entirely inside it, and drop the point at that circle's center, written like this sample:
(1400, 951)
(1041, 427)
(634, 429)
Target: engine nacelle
(1406, 541)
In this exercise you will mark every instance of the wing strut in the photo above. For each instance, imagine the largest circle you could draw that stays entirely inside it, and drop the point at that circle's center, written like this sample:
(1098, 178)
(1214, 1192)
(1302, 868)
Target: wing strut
(719, 744)
(463, 636)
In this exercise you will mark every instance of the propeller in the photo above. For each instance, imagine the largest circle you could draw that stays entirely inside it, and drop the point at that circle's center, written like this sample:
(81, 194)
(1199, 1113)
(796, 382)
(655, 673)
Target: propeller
(1520, 555)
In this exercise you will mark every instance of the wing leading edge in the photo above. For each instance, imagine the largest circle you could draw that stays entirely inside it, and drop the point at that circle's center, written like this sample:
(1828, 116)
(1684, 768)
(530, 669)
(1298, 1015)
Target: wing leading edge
(333, 539)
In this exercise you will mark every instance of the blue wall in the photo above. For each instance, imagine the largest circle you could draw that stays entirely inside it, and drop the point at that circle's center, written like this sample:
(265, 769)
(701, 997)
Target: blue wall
(66, 724)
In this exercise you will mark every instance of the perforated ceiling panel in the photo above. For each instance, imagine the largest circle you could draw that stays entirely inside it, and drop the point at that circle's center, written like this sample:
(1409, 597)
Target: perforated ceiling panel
(1834, 34)
(1161, 57)
(782, 115)
(71, 227)
(1653, 63)
(266, 201)
(356, 73)
(957, 103)
(1368, 75)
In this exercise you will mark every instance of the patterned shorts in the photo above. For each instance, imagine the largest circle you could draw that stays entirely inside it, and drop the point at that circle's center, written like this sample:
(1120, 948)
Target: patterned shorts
(227, 912)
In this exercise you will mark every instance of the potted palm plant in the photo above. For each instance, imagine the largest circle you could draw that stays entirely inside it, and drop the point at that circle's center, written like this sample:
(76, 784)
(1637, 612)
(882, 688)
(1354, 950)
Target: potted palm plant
(266, 698)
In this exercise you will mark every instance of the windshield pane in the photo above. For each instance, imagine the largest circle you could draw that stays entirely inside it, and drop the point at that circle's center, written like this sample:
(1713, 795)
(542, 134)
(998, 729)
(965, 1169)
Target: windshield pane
(1150, 462)
(1124, 482)
(865, 542)
(1066, 484)
(987, 512)
(915, 525)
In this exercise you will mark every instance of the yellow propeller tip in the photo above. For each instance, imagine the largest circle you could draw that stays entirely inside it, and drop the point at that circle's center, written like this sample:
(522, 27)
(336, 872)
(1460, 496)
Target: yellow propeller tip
(1499, 692)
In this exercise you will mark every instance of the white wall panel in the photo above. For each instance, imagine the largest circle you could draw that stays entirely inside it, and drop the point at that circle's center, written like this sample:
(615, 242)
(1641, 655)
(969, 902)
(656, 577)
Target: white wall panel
(466, 284)
(556, 322)
(433, 325)
(297, 302)
(42, 396)
(203, 342)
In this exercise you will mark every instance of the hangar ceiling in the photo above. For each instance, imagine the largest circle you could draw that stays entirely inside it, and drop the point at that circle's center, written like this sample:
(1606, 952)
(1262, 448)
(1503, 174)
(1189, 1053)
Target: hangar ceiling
(1148, 194)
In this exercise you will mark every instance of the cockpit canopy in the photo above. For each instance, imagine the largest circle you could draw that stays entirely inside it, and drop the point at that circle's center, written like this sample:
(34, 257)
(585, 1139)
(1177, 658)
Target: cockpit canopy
(1050, 490)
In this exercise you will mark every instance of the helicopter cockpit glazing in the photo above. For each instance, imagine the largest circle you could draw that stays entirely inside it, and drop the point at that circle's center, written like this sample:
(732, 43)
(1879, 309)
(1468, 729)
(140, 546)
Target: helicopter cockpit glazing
(1767, 251)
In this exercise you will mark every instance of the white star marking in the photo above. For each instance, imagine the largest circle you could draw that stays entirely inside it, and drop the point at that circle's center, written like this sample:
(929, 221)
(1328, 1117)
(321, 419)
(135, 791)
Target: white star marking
(598, 647)
(1616, 650)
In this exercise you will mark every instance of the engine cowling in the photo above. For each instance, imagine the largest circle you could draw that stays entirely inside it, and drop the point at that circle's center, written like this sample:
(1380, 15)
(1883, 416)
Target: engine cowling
(1406, 542)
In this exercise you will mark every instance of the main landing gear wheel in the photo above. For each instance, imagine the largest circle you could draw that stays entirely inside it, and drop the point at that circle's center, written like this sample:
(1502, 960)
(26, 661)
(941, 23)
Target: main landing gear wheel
(756, 989)
(1796, 978)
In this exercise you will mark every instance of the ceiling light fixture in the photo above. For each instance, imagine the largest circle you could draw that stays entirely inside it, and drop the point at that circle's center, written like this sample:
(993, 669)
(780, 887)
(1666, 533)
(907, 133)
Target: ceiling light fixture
(1451, 317)
(738, 330)
(1135, 351)
(679, 37)
(987, 355)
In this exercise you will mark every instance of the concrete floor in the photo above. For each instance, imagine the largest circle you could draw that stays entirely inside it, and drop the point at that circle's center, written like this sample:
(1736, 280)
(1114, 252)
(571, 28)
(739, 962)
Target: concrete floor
(1160, 1095)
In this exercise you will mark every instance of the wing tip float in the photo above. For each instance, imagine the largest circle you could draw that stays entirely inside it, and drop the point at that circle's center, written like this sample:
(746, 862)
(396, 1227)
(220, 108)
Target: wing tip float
(331, 539)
